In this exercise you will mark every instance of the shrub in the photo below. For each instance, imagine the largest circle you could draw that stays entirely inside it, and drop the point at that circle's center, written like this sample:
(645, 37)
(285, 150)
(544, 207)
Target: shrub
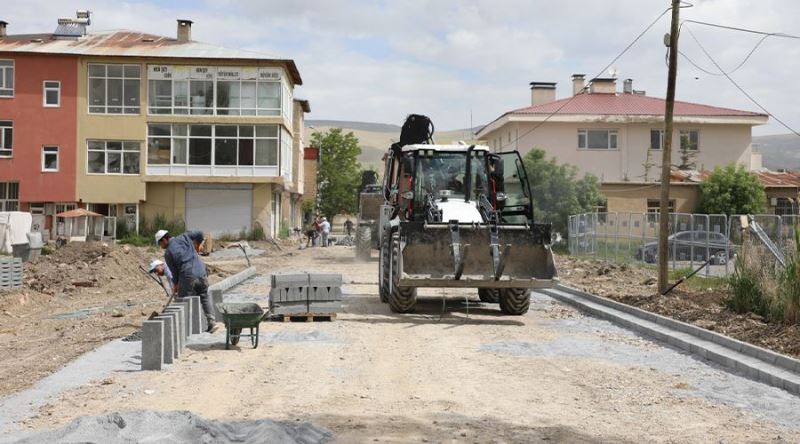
(732, 190)
(284, 231)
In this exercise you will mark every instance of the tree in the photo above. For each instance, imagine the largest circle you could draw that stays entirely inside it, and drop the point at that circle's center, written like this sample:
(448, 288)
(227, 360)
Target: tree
(687, 153)
(339, 173)
(558, 192)
(732, 190)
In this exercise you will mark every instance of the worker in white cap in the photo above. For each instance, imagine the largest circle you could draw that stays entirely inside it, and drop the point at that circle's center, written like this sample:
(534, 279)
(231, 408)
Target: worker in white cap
(189, 273)
(160, 268)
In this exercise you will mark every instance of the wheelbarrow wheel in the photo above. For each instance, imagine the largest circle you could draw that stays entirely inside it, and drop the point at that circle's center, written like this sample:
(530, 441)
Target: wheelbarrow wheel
(235, 335)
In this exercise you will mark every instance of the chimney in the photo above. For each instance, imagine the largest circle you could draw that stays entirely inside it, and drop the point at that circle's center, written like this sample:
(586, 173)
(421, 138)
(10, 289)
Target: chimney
(605, 85)
(542, 92)
(3, 26)
(627, 86)
(578, 83)
(184, 30)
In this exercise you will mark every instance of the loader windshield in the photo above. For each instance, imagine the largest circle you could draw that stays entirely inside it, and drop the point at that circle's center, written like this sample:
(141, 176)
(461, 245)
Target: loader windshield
(443, 174)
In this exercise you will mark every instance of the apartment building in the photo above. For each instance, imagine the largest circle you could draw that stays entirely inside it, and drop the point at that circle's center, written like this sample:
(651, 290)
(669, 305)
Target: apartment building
(151, 125)
(618, 136)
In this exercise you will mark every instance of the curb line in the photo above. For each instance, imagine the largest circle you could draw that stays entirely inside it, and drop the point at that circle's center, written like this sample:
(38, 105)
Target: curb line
(753, 362)
(232, 281)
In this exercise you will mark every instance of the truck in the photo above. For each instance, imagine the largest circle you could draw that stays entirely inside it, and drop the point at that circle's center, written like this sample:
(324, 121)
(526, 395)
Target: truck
(459, 216)
(370, 200)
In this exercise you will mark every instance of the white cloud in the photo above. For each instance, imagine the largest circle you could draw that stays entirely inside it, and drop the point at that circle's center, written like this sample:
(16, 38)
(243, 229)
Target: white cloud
(380, 60)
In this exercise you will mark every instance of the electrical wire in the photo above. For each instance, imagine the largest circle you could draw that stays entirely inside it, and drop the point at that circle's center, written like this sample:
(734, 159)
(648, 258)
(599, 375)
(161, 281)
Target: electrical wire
(630, 45)
(736, 28)
(694, 37)
(749, 54)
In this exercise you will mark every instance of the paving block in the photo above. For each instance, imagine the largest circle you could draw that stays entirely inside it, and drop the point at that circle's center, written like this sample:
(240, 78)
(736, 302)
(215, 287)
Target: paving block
(288, 294)
(324, 294)
(216, 298)
(169, 337)
(152, 345)
(176, 347)
(187, 313)
(181, 318)
(289, 280)
(325, 279)
(324, 307)
(197, 314)
(284, 308)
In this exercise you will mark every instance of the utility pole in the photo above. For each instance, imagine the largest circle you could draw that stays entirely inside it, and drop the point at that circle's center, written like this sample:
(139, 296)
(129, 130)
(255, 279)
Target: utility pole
(666, 155)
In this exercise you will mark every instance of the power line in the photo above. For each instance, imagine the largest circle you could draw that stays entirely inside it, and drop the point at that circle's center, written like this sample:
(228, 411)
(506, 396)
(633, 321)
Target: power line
(736, 28)
(630, 45)
(747, 57)
(737, 85)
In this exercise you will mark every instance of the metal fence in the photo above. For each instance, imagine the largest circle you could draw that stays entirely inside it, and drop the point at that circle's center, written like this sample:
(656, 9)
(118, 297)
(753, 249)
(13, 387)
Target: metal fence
(693, 238)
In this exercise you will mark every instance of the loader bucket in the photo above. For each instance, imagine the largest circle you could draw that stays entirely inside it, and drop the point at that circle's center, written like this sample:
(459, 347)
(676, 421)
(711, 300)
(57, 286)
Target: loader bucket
(434, 256)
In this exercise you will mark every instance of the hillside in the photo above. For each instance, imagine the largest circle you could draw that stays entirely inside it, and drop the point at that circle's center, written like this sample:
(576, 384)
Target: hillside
(779, 151)
(375, 138)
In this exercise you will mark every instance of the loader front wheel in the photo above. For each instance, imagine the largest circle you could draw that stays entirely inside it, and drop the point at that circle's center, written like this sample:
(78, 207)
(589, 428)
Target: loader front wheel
(515, 301)
(489, 295)
(383, 283)
(401, 299)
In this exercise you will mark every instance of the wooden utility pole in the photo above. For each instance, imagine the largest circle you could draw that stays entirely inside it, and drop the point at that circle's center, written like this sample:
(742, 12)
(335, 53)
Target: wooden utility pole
(666, 155)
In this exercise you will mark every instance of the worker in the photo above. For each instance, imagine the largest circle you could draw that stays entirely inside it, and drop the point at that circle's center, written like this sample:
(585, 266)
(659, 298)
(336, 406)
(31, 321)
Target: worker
(197, 240)
(160, 268)
(325, 227)
(189, 274)
(348, 227)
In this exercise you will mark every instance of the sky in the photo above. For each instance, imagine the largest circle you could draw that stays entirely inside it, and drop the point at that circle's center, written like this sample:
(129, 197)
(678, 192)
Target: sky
(469, 61)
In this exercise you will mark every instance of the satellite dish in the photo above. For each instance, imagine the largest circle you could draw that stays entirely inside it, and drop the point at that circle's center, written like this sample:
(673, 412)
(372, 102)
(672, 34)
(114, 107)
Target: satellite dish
(613, 71)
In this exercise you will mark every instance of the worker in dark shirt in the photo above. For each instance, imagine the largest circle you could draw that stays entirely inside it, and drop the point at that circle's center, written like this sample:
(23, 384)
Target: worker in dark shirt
(189, 273)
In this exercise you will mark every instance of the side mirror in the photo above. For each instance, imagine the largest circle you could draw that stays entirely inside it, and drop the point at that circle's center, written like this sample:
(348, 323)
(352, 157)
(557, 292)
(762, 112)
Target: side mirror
(501, 196)
(496, 163)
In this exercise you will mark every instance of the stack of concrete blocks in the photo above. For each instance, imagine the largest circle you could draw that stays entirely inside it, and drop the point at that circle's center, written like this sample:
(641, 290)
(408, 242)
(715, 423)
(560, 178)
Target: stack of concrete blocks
(301, 293)
(10, 272)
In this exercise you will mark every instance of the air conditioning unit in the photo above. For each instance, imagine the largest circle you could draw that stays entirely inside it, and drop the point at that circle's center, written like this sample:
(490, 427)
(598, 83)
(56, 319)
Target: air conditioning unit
(773, 201)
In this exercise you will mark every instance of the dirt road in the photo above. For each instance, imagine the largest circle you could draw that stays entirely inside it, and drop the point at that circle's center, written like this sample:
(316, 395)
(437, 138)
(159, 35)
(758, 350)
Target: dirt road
(467, 374)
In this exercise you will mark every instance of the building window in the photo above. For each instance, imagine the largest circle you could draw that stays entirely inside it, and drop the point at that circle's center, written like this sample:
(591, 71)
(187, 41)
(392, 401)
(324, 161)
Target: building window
(219, 145)
(9, 196)
(786, 207)
(690, 140)
(225, 91)
(6, 78)
(113, 157)
(114, 89)
(6, 138)
(51, 97)
(50, 158)
(654, 206)
(656, 139)
(597, 139)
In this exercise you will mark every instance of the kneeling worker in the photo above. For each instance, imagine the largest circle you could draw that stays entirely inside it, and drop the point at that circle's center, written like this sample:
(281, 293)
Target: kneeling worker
(160, 268)
(188, 271)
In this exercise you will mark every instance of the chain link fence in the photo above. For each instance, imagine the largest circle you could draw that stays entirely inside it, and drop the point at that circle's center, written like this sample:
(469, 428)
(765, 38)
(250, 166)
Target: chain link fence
(693, 238)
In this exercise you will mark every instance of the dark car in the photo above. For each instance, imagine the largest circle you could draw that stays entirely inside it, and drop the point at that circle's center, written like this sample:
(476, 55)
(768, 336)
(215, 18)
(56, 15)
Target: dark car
(690, 245)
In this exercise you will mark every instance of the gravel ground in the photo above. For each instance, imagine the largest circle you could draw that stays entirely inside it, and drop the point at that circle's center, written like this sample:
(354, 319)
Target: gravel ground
(465, 373)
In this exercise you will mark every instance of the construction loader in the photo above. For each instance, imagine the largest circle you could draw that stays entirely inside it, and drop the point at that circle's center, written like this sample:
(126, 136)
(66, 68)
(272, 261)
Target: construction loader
(459, 216)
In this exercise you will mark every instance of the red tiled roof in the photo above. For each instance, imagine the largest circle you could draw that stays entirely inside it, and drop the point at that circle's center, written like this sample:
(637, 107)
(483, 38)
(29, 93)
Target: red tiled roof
(627, 104)
(767, 178)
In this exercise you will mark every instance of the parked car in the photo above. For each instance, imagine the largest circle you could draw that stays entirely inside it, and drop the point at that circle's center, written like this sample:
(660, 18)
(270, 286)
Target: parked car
(687, 245)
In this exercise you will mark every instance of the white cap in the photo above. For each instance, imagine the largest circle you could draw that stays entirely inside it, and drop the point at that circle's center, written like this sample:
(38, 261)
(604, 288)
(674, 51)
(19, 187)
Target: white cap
(160, 234)
(154, 264)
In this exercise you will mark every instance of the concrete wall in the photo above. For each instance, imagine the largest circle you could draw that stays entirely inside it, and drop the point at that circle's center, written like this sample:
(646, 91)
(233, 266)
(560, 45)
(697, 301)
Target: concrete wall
(35, 125)
(633, 197)
(719, 145)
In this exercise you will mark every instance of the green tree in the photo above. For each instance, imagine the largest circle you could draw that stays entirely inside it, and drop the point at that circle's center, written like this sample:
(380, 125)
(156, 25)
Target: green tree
(732, 190)
(558, 192)
(339, 173)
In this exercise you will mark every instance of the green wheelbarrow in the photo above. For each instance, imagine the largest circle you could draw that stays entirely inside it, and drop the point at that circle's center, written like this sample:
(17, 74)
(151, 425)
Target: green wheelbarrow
(238, 316)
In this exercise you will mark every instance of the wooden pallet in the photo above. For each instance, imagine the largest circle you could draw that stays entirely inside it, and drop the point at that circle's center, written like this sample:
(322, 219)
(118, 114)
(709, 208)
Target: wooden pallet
(303, 317)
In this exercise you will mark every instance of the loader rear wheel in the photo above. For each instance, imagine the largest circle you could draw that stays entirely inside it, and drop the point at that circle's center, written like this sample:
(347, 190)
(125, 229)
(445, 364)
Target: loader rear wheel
(515, 301)
(401, 299)
(489, 295)
(383, 283)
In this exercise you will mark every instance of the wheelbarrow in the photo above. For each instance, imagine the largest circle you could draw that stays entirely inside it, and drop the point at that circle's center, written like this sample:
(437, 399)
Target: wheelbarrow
(238, 316)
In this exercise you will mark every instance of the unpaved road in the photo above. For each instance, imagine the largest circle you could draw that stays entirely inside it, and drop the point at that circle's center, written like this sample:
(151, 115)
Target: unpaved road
(372, 375)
